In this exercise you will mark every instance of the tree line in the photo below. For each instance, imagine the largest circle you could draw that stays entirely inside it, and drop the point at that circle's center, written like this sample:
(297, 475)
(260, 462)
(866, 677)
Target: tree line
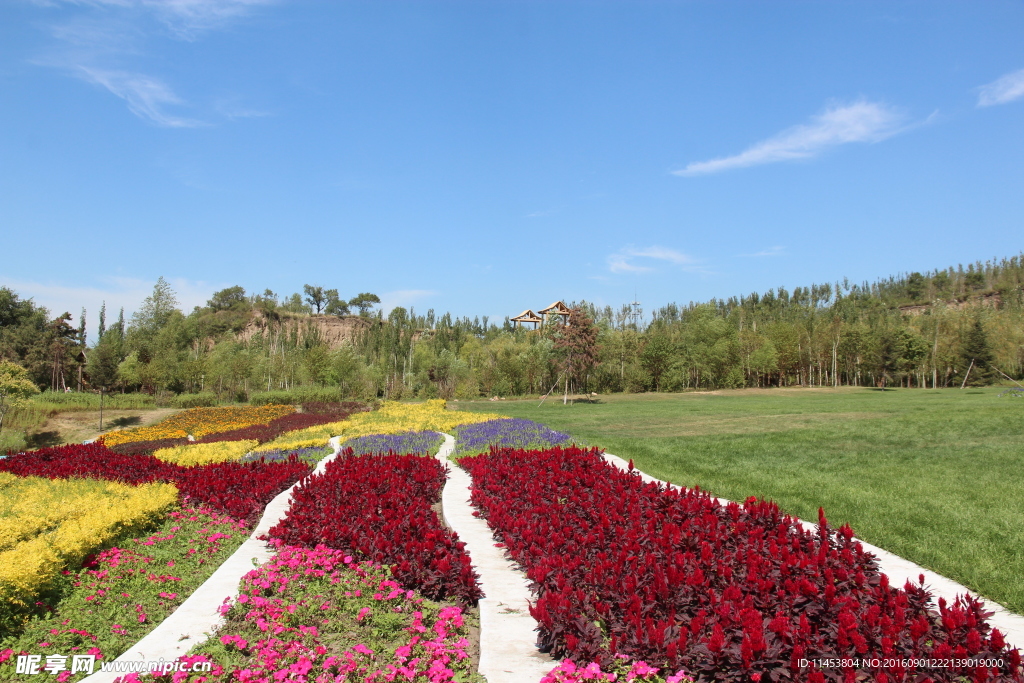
(945, 328)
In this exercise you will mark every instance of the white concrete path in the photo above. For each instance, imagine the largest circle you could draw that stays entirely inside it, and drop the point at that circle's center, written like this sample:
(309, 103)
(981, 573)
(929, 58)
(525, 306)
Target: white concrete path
(900, 571)
(508, 640)
(197, 617)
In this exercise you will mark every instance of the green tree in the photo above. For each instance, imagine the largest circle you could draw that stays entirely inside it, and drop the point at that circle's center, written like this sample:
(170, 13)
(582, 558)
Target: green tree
(293, 304)
(156, 309)
(656, 357)
(232, 298)
(364, 301)
(335, 306)
(575, 346)
(318, 297)
(102, 365)
(15, 387)
(977, 356)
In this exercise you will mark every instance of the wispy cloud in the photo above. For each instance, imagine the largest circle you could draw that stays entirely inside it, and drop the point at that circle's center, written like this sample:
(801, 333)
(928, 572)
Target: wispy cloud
(147, 97)
(544, 212)
(404, 298)
(839, 124)
(1002, 90)
(770, 251)
(105, 42)
(639, 260)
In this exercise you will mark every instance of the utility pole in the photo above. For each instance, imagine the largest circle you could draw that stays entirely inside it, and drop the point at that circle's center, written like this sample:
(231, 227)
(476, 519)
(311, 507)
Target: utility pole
(635, 312)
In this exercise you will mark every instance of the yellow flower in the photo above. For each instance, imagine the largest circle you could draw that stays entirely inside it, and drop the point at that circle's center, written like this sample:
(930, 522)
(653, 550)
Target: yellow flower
(392, 418)
(199, 422)
(206, 453)
(47, 525)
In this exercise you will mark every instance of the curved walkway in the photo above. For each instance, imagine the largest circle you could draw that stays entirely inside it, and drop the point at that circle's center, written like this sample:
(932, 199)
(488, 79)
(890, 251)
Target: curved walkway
(508, 642)
(196, 618)
(900, 571)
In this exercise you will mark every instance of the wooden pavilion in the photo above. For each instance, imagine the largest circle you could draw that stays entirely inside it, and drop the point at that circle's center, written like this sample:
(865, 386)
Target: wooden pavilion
(558, 308)
(527, 316)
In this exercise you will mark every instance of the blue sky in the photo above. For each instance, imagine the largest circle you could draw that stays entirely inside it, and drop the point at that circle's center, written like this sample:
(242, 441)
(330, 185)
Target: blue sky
(485, 157)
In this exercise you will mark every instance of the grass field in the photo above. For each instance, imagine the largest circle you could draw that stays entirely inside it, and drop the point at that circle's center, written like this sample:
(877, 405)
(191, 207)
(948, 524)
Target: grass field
(933, 476)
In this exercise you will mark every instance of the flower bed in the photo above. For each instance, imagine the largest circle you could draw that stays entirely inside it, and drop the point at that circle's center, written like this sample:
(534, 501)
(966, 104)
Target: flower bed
(46, 526)
(427, 443)
(622, 669)
(124, 592)
(282, 425)
(205, 453)
(311, 455)
(315, 614)
(199, 422)
(378, 507)
(391, 418)
(730, 593)
(146, 447)
(506, 432)
(241, 490)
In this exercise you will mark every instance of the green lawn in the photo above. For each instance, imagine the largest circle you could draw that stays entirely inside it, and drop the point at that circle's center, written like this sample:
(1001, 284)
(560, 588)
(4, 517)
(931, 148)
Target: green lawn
(933, 476)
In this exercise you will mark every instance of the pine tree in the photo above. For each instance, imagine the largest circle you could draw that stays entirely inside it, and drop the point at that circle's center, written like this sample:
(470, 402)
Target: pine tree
(976, 350)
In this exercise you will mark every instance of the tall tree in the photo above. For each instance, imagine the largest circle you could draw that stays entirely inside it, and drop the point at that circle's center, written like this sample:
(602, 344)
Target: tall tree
(364, 301)
(156, 309)
(317, 296)
(335, 305)
(103, 321)
(575, 344)
(977, 355)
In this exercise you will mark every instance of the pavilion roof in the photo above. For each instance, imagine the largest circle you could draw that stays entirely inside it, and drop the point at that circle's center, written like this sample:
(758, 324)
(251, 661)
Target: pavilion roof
(558, 308)
(527, 316)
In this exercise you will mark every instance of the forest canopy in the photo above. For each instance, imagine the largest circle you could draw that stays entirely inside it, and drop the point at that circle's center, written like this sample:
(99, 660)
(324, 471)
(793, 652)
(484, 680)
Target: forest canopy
(950, 327)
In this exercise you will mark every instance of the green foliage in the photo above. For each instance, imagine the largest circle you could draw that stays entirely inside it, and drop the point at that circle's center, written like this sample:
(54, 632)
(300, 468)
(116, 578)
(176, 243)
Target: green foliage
(228, 299)
(977, 356)
(202, 400)
(102, 365)
(910, 331)
(933, 476)
(303, 394)
(364, 301)
(15, 388)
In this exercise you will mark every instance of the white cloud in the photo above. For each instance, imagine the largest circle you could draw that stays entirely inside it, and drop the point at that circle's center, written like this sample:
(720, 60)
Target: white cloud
(1002, 90)
(624, 260)
(147, 97)
(186, 17)
(117, 292)
(839, 125)
(404, 298)
(104, 41)
(770, 251)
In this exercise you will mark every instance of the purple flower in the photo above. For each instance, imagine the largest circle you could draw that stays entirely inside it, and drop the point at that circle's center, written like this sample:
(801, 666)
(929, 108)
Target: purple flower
(406, 442)
(506, 433)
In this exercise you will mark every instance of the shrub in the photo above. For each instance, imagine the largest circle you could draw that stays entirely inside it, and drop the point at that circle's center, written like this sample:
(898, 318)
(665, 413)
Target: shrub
(204, 400)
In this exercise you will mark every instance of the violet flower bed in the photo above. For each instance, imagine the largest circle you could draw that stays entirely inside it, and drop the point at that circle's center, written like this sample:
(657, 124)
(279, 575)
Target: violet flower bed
(506, 433)
(427, 443)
